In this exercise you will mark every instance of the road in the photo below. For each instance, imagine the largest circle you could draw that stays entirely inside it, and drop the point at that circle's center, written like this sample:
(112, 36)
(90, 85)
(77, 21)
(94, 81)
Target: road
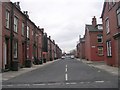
(65, 73)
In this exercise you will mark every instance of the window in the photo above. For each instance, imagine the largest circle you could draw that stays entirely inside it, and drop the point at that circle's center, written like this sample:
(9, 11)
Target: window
(109, 49)
(107, 26)
(100, 51)
(15, 49)
(100, 38)
(7, 19)
(23, 29)
(118, 16)
(15, 24)
(32, 32)
(28, 31)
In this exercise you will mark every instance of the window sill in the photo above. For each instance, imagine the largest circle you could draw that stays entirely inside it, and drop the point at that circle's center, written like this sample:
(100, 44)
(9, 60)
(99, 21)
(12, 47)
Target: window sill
(23, 35)
(107, 33)
(100, 42)
(15, 32)
(7, 28)
(109, 56)
(100, 55)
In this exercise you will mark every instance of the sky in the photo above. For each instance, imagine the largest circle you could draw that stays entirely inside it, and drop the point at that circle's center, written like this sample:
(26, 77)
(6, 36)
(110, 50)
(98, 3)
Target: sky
(63, 20)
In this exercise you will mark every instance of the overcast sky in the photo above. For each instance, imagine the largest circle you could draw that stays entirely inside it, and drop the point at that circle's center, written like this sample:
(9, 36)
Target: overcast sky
(63, 20)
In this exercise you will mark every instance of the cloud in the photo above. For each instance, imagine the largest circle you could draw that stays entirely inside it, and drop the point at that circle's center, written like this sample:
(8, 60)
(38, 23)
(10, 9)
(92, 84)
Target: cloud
(63, 20)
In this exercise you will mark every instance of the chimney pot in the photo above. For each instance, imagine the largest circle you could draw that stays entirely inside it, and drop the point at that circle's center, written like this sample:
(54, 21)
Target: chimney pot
(94, 22)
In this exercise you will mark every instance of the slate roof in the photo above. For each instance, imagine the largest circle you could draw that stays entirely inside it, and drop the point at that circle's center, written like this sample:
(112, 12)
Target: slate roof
(92, 28)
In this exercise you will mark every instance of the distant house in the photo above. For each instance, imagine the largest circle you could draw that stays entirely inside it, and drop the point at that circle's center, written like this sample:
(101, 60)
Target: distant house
(81, 48)
(94, 41)
(111, 32)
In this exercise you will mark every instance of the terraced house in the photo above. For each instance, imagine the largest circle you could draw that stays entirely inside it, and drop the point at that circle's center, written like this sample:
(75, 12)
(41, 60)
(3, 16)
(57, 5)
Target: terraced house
(94, 41)
(111, 32)
(21, 41)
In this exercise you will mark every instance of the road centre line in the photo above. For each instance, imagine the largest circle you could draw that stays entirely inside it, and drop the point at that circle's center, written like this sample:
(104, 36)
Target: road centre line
(66, 70)
(66, 66)
(66, 77)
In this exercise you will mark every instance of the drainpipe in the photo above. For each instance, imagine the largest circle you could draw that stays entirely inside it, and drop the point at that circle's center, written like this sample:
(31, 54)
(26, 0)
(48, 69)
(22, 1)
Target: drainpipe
(11, 36)
(25, 38)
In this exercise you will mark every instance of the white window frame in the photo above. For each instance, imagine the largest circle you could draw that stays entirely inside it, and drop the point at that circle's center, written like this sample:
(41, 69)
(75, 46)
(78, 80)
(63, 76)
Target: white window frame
(15, 49)
(100, 49)
(109, 48)
(100, 37)
(23, 29)
(107, 25)
(7, 19)
(28, 31)
(118, 16)
(15, 24)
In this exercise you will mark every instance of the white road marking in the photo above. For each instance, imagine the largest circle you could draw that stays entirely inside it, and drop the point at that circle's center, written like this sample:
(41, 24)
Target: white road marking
(99, 81)
(66, 76)
(66, 70)
(66, 66)
(5, 79)
(38, 84)
(9, 85)
(67, 83)
(73, 83)
(99, 71)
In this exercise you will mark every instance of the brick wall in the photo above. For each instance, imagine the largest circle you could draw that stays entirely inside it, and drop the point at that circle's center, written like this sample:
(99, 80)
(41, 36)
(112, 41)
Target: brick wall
(0, 35)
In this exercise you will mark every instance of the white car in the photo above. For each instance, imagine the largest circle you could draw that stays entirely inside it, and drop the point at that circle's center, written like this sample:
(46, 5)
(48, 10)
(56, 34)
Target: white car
(72, 56)
(63, 57)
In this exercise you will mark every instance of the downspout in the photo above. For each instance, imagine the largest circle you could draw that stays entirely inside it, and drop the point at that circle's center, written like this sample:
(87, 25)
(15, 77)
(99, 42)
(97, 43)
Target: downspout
(25, 37)
(11, 36)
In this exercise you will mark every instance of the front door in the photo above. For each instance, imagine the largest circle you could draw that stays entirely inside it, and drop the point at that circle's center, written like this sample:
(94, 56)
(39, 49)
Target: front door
(6, 54)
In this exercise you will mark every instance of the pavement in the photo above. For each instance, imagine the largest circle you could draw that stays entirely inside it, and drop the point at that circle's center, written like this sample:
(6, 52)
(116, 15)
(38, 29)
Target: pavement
(11, 74)
(101, 65)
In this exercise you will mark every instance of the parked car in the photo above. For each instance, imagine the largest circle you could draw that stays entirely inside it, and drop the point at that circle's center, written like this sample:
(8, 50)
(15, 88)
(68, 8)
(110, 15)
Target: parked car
(63, 57)
(72, 56)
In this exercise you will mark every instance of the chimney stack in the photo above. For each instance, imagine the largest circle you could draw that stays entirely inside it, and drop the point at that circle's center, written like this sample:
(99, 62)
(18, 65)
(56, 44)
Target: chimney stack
(94, 22)
(17, 4)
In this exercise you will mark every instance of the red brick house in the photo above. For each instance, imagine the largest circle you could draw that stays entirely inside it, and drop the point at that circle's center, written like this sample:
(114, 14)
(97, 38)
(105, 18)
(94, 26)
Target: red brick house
(1, 34)
(58, 52)
(17, 36)
(21, 41)
(54, 52)
(111, 32)
(78, 50)
(13, 22)
(82, 48)
(49, 49)
(94, 41)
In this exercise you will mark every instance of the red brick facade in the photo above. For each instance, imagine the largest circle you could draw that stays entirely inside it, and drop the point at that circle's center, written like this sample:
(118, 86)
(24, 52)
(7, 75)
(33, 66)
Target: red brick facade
(81, 48)
(94, 41)
(91, 46)
(111, 28)
(21, 39)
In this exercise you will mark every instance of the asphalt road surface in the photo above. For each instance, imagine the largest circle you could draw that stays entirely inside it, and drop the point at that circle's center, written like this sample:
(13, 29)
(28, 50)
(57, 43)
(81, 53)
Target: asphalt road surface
(65, 73)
